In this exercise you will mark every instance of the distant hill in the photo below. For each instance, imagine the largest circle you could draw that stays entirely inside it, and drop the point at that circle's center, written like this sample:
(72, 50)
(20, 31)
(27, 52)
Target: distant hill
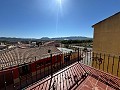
(43, 38)
(72, 38)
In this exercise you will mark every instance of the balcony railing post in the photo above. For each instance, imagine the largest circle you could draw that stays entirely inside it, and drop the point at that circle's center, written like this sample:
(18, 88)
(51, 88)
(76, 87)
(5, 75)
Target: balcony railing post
(87, 57)
(96, 58)
(90, 58)
(118, 66)
(108, 63)
(81, 58)
(103, 62)
(78, 55)
(113, 64)
(93, 59)
(51, 64)
(100, 61)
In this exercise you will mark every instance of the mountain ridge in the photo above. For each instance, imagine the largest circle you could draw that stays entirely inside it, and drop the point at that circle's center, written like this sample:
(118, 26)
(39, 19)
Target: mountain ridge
(44, 38)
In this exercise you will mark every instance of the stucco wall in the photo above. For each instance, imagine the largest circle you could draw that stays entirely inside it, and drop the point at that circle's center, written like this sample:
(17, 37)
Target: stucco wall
(107, 36)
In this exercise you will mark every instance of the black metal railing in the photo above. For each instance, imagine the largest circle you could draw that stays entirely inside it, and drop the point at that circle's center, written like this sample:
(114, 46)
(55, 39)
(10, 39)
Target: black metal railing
(24, 73)
(84, 71)
(63, 76)
(106, 63)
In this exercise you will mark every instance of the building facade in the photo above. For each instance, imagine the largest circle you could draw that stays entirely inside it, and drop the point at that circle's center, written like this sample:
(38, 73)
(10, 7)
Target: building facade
(106, 45)
(107, 35)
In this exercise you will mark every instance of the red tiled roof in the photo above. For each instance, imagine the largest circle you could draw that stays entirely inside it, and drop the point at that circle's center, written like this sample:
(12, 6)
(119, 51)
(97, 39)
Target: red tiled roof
(18, 55)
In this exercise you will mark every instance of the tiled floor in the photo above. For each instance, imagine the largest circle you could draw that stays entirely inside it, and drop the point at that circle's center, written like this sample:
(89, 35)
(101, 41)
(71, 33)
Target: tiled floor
(71, 78)
(91, 83)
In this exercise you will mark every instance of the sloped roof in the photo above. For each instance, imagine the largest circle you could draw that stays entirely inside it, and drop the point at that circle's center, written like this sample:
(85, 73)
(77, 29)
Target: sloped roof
(19, 55)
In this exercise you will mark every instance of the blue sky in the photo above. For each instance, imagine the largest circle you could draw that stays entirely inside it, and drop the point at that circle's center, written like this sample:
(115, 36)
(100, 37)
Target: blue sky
(50, 18)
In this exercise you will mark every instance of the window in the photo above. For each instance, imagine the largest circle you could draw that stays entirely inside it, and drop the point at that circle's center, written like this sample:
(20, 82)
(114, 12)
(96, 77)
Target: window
(24, 70)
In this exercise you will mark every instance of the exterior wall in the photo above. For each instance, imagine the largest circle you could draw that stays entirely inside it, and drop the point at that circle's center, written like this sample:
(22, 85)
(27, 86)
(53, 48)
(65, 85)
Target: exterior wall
(107, 41)
(107, 36)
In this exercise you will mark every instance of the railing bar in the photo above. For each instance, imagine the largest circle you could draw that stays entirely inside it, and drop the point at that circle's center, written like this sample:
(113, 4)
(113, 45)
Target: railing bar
(93, 59)
(87, 57)
(118, 66)
(84, 57)
(78, 55)
(90, 62)
(113, 64)
(96, 60)
(99, 61)
(108, 62)
(103, 62)
(78, 60)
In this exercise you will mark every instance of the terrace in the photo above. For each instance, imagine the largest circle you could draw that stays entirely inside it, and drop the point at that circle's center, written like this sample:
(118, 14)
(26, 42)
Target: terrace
(75, 77)
(77, 70)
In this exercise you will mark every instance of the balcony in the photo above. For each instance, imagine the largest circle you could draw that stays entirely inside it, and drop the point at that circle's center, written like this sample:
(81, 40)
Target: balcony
(79, 70)
(78, 77)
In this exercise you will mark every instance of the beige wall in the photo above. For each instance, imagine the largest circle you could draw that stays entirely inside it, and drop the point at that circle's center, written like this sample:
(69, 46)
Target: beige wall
(107, 36)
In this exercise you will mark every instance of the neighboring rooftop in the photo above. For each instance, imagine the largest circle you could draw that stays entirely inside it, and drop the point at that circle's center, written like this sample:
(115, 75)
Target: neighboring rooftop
(15, 56)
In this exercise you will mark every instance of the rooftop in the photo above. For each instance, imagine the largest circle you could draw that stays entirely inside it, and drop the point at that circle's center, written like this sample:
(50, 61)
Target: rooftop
(17, 56)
